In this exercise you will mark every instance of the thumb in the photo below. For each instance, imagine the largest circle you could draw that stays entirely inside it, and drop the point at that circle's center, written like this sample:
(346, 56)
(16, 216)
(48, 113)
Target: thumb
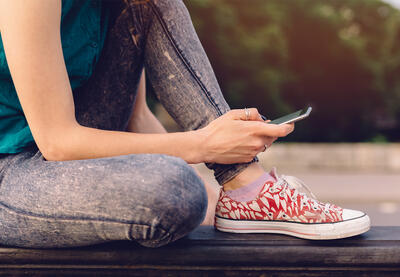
(240, 114)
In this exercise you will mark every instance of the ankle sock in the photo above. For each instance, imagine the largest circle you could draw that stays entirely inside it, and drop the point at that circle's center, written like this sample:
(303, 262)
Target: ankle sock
(250, 191)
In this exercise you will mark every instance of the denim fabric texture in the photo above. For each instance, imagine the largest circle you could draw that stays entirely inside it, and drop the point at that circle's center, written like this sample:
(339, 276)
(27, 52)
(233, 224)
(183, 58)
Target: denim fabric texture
(152, 199)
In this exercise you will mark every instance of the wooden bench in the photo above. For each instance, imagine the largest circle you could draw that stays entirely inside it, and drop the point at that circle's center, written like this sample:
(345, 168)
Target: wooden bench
(207, 252)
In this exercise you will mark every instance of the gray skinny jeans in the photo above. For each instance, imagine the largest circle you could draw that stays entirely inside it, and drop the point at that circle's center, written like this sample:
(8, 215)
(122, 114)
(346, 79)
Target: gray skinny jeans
(152, 199)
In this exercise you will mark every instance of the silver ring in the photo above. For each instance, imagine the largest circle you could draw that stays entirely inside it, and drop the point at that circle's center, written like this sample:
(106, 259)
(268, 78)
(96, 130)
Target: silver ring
(247, 113)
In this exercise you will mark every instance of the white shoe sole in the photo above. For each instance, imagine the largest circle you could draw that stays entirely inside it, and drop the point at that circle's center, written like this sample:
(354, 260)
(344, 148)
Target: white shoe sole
(314, 231)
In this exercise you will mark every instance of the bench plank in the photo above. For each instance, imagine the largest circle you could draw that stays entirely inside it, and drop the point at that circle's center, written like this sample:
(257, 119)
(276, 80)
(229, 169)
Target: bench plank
(209, 252)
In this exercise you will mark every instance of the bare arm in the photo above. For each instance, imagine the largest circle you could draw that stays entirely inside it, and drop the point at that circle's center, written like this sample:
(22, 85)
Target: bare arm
(31, 37)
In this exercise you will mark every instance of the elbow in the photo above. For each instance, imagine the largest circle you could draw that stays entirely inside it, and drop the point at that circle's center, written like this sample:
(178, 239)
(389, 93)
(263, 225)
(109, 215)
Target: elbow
(58, 147)
(54, 152)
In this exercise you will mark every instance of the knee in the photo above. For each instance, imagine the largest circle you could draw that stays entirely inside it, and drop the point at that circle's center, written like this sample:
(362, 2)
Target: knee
(189, 191)
(183, 207)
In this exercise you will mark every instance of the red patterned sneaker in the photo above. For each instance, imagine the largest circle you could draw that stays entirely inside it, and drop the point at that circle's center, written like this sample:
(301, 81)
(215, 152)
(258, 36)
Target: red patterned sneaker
(288, 207)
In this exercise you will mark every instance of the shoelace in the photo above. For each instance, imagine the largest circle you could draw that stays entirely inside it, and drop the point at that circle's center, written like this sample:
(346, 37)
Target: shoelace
(298, 186)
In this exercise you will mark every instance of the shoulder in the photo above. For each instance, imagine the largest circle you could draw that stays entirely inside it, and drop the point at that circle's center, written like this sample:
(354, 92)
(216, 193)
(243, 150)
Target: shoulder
(17, 14)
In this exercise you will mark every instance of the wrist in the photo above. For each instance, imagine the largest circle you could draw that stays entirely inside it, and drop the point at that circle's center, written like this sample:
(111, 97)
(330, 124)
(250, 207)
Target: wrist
(196, 151)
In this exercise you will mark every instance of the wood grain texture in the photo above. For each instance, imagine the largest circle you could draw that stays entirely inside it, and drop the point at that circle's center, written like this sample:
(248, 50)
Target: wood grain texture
(207, 252)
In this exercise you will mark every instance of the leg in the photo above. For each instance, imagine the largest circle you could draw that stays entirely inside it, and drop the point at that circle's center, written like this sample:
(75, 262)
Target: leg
(107, 98)
(83, 202)
(177, 67)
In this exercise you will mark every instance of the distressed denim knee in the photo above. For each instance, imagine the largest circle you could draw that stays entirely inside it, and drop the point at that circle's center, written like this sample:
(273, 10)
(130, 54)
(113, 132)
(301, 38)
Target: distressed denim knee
(182, 205)
(149, 198)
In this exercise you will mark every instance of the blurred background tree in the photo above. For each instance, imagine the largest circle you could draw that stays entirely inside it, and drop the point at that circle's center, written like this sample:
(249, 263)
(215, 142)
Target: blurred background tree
(340, 56)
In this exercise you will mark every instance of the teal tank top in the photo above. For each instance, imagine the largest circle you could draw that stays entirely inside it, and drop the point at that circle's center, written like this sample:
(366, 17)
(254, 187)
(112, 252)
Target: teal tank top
(83, 30)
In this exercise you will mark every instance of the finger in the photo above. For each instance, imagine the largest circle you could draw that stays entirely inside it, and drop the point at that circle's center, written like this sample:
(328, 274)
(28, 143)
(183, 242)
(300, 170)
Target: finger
(291, 126)
(263, 149)
(255, 115)
(272, 130)
(288, 127)
(270, 140)
(240, 114)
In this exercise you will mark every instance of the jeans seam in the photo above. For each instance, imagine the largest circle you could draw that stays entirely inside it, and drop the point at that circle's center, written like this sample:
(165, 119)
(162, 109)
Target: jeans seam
(182, 57)
(68, 218)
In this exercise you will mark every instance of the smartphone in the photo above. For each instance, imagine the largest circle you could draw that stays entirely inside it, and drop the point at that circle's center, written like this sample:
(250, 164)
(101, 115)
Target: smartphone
(293, 117)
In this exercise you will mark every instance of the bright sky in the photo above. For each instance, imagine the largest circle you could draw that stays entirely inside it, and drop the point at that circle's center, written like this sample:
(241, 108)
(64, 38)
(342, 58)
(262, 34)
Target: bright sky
(395, 3)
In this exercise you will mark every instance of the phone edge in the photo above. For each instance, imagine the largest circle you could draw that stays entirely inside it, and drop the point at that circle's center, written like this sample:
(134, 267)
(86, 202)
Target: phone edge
(309, 109)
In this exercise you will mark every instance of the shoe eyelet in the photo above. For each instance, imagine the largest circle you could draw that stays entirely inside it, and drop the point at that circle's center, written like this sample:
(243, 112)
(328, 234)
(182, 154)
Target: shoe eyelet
(269, 214)
(271, 190)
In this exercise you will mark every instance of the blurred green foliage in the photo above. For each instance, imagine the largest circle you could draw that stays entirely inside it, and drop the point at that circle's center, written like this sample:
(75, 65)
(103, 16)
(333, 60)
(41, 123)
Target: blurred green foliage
(340, 56)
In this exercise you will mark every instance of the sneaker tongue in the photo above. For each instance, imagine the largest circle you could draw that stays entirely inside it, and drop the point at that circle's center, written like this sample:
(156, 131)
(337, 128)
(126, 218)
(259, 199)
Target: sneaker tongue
(274, 173)
(294, 183)
(299, 186)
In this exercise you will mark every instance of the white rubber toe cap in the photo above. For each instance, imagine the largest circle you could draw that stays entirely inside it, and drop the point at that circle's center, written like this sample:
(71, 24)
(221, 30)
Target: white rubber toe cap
(351, 214)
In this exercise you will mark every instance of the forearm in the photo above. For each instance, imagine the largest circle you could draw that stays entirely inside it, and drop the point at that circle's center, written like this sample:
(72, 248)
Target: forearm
(145, 134)
(87, 143)
(146, 122)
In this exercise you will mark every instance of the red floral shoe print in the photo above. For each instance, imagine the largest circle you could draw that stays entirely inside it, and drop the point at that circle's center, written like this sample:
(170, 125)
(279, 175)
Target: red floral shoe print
(287, 206)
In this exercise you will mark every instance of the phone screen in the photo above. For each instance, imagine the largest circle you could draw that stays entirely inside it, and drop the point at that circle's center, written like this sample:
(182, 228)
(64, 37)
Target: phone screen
(292, 117)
